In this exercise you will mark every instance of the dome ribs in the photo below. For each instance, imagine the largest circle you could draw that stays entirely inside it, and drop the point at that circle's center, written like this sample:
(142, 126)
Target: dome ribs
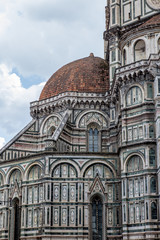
(85, 75)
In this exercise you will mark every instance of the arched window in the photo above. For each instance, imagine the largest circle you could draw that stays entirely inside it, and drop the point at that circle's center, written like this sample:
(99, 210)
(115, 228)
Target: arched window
(15, 176)
(134, 96)
(34, 173)
(93, 140)
(97, 218)
(139, 50)
(134, 164)
(151, 131)
(154, 210)
(152, 157)
(124, 57)
(153, 185)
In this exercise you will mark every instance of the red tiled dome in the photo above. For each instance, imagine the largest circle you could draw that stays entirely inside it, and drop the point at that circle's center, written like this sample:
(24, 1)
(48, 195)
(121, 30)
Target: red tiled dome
(89, 74)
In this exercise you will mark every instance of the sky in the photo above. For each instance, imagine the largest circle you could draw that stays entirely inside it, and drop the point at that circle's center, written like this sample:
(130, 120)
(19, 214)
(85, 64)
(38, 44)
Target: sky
(36, 39)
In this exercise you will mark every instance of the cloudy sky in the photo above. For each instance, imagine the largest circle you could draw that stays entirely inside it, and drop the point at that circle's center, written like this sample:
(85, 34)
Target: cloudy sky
(37, 37)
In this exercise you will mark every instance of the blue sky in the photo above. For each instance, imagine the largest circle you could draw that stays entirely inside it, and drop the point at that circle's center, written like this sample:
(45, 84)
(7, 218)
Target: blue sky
(36, 39)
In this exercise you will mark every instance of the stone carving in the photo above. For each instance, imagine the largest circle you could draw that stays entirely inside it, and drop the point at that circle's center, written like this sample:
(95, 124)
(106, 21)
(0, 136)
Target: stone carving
(131, 213)
(30, 195)
(56, 172)
(29, 218)
(35, 217)
(109, 216)
(56, 216)
(99, 169)
(64, 216)
(110, 193)
(64, 170)
(72, 172)
(155, 4)
(137, 212)
(72, 216)
(92, 117)
(36, 195)
(142, 186)
(64, 192)
(142, 212)
(72, 191)
(56, 192)
(131, 188)
(41, 193)
(51, 122)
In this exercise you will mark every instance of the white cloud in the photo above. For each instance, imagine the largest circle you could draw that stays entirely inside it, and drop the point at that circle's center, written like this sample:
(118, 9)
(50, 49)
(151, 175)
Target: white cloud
(14, 102)
(2, 142)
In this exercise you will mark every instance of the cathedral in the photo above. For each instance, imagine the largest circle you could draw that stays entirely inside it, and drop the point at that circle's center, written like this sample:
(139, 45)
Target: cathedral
(87, 166)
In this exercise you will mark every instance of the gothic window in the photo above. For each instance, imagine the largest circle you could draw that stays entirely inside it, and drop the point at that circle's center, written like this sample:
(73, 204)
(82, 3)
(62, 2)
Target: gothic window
(113, 55)
(113, 71)
(15, 176)
(146, 185)
(48, 216)
(124, 57)
(134, 96)
(139, 50)
(152, 157)
(134, 164)
(158, 85)
(154, 210)
(151, 131)
(149, 90)
(124, 213)
(113, 15)
(34, 173)
(97, 218)
(93, 140)
(147, 211)
(153, 185)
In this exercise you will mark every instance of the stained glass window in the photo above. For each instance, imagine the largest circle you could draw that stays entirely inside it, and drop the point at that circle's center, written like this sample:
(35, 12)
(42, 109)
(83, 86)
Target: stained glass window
(93, 140)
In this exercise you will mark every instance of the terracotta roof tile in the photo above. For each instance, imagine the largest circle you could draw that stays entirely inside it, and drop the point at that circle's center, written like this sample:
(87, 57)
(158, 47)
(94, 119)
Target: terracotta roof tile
(89, 74)
(152, 21)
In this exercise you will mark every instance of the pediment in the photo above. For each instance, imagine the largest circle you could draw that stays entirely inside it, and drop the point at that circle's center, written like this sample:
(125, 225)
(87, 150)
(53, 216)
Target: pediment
(97, 186)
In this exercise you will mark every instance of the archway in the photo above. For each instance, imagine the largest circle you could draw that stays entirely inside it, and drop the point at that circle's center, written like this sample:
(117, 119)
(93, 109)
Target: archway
(97, 218)
(15, 220)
